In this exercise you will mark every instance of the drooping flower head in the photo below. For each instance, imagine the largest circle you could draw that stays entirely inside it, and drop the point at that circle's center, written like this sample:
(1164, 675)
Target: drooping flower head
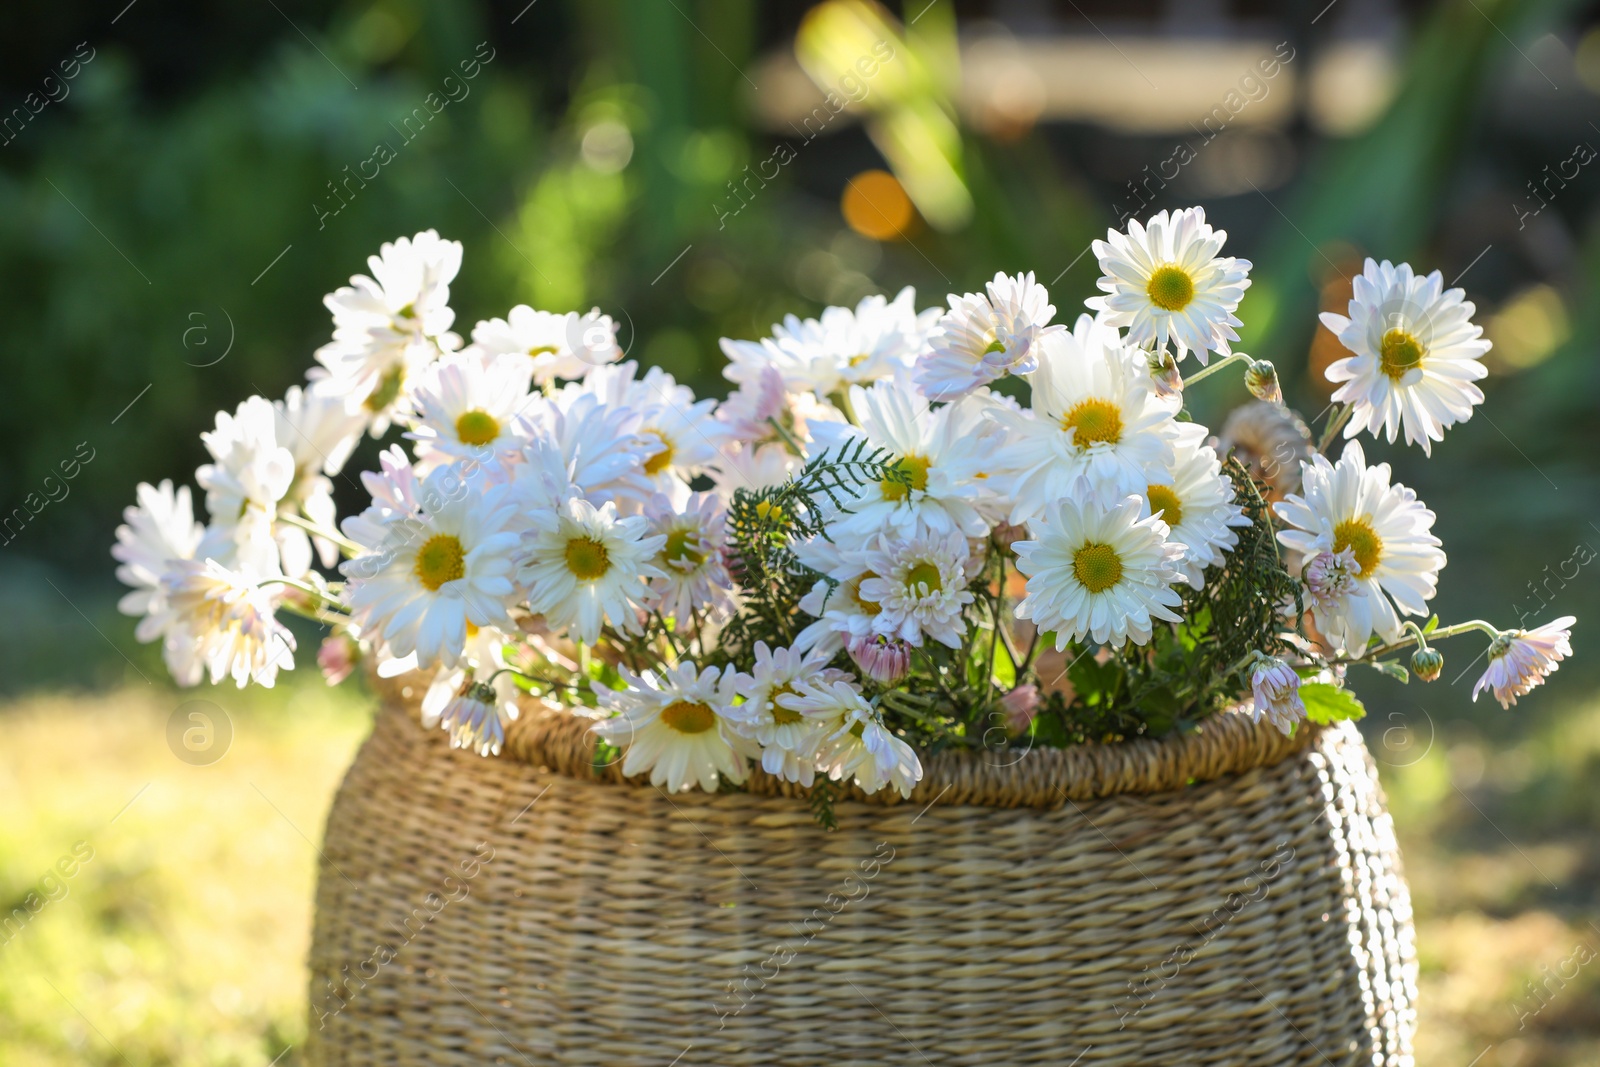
(787, 738)
(1276, 689)
(853, 741)
(1519, 660)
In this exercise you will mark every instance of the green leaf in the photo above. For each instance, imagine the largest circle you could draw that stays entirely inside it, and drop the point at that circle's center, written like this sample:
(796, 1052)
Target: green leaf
(1327, 704)
(1392, 669)
(1432, 625)
(1005, 672)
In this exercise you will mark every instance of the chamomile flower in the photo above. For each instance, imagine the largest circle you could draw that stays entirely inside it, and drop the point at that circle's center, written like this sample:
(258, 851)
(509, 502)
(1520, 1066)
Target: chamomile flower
(396, 493)
(549, 345)
(597, 447)
(468, 410)
(986, 336)
(1198, 503)
(762, 412)
(1097, 427)
(877, 339)
(1099, 572)
(693, 576)
(320, 431)
(836, 600)
(786, 737)
(473, 701)
(158, 530)
(219, 621)
(437, 572)
(920, 586)
(1417, 353)
(388, 327)
(584, 567)
(682, 436)
(677, 725)
(853, 741)
(1350, 505)
(1519, 660)
(1166, 282)
(250, 474)
(1331, 579)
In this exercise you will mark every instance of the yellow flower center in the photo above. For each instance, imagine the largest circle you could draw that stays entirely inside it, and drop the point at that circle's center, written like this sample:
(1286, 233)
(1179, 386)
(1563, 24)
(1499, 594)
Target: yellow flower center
(1093, 421)
(920, 575)
(662, 459)
(383, 394)
(781, 715)
(1097, 566)
(857, 359)
(587, 559)
(1164, 500)
(683, 544)
(439, 560)
(915, 468)
(477, 427)
(1170, 287)
(689, 717)
(1363, 542)
(870, 607)
(542, 350)
(1399, 352)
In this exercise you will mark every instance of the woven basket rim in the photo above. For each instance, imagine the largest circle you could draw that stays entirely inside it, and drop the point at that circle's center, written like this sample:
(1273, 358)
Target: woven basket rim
(550, 737)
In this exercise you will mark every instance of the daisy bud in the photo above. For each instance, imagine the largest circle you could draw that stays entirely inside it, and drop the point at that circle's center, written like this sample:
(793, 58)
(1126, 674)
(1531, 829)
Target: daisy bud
(1261, 378)
(1021, 705)
(886, 662)
(1427, 663)
(472, 720)
(337, 656)
(1276, 688)
(1164, 374)
(1005, 535)
(1521, 659)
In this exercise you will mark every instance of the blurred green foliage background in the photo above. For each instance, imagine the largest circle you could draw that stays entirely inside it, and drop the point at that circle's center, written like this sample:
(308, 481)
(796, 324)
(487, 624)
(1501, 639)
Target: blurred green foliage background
(172, 211)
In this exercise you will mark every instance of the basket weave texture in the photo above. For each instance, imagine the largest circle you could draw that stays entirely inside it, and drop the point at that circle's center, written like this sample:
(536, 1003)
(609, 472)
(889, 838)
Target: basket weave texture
(1228, 897)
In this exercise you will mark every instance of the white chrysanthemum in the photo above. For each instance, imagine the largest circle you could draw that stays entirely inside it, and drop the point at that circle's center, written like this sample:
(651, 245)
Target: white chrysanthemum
(388, 327)
(693, 575)
(597, 446)
(754, 467)
(218, 621)
(320, 431)
(683, 436)
(762, 412)
(1097, 427)
(920, 586)
(473, 701)
(946, 454)
(157, 531)
(250, 475)
(1101, 572)
(1417, 354)
(986, 336)
(853, 741)
(396, 493)
(437, 571)
(584, 567)
(1519, 660)
(468, 410)
(787, 738)
(1275, 689)
(835, 601)
(677, 726)
(550, 345)
(1165, 281)
(843, 347)
(1350, 505)
(1198, 505)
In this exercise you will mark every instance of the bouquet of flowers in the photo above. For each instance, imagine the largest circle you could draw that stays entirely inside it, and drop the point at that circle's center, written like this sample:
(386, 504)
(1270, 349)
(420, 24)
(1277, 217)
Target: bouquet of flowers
(905, 530)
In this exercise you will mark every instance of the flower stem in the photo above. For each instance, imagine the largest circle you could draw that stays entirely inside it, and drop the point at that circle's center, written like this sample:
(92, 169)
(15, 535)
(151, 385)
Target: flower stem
(1335, 424)
(1206, 372)
(1417, 639)
(347, 546)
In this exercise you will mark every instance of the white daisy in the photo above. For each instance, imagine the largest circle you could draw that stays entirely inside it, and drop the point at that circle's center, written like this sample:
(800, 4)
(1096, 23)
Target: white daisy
(1198, 503)
(473, 701)
(388, 327)
(1351, 505)
(1276, 690)
(1522, 659)
(835, 601)
(986, 336)
(853, 741)
(947, 454)
(683, 437)
(694, 577)
(1331, 579)
(762, 412)
(1097, 426)
(396, 493)
(678, 726)
(754, 467)
(550, 345)
(320, 431)
(1165, 281)
(468, 410)
(597, 447)
(157, 531)
(1101, 572)
(842, 347)
(1417, 353)
(920, 586)
(220, 621)
(584, 567)
(786, 737)
(250, 475)
(437, 571)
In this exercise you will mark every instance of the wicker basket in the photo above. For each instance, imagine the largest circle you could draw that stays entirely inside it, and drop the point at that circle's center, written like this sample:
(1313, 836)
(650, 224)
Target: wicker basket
(1232, 897)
